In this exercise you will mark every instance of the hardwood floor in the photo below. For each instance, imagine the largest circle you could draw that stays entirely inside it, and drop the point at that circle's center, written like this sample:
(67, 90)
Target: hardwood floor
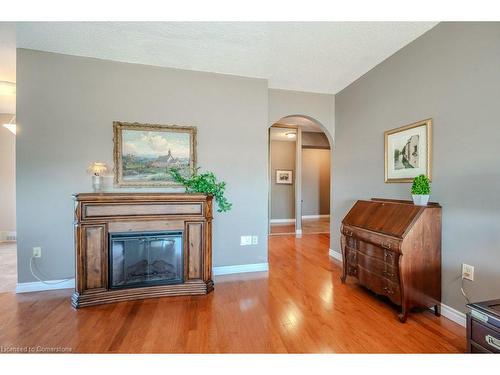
(299, 307)
(282, 228)
(309, 226)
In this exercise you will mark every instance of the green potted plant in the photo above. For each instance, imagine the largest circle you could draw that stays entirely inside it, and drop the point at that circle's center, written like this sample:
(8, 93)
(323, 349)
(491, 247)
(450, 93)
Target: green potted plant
(420, 190)
(205, 183)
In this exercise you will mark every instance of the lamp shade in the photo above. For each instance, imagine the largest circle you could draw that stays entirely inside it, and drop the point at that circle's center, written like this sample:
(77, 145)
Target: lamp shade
(97, 168)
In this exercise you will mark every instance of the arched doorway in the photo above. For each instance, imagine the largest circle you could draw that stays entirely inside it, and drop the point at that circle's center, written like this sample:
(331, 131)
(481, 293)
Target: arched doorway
(299, 176)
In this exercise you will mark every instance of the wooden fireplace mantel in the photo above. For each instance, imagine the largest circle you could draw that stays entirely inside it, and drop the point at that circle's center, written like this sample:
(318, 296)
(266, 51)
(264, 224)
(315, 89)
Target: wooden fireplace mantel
(99, 214)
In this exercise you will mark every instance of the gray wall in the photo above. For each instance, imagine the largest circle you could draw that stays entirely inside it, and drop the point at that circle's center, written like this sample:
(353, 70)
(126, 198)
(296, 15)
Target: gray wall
(315, 182)
(282, 196)
(452, 74)
(7, 177)
(320, 107)
(65, 109)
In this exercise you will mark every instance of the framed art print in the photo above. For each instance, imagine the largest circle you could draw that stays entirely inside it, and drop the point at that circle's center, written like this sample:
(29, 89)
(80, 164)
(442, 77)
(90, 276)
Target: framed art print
(408, 152)
(284, 177)
(144, 153)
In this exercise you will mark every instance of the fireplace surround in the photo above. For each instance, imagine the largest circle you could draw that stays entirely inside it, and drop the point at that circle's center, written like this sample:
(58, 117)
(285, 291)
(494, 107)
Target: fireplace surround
(141, 245)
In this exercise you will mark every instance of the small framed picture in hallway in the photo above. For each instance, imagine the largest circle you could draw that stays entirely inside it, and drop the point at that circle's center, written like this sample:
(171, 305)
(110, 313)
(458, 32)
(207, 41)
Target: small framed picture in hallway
(284, 176)
(408, 152)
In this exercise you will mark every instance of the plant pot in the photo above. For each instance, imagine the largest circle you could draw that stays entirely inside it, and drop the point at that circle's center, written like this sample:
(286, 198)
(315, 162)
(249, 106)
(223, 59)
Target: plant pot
(420, 200)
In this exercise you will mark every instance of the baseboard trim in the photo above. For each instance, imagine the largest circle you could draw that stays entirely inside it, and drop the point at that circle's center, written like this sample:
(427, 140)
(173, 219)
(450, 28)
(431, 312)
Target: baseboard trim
(314, 216)
(284, 221)
(240, 268)
(38, 286)
(454, 315)
(335, 255)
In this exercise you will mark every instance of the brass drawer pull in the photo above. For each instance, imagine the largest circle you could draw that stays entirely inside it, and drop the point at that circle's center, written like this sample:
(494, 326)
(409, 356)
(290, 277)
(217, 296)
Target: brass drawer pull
(348, 233)
(388, 274)
(386, 245)
(388, 255)
(494, 342)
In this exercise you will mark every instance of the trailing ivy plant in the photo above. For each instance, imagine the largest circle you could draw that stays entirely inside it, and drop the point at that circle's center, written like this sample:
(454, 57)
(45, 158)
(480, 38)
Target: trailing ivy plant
(205, 183)
(421, 185)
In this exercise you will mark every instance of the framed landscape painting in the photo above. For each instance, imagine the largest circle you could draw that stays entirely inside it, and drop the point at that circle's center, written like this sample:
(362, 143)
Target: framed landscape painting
(408, 152)
(143, 153)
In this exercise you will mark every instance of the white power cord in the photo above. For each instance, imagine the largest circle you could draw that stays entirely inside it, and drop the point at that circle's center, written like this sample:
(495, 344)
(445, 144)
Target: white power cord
(463, 291)
(43, 281)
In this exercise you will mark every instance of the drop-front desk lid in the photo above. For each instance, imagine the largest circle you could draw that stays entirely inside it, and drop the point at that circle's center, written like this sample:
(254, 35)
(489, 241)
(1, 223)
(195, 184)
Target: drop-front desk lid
(391, 217)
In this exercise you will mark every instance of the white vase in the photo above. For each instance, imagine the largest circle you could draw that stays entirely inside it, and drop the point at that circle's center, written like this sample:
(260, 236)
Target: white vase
(97, 183)
(420, 200)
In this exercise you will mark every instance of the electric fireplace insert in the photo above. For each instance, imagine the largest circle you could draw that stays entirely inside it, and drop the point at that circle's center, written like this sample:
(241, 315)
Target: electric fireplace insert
(139, 259)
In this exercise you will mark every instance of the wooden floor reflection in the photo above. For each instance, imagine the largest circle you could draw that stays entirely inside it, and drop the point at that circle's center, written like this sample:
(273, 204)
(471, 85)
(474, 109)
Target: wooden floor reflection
(300, 306)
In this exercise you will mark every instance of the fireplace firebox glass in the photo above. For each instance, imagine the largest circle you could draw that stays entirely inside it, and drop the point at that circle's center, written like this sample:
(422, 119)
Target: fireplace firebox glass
(145, 258)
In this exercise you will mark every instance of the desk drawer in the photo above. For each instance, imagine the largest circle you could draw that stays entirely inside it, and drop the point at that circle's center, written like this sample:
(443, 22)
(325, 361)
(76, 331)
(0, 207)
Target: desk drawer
(379, 285)
(376, 252)
(378, 239)
(485, 336)
(378, 267)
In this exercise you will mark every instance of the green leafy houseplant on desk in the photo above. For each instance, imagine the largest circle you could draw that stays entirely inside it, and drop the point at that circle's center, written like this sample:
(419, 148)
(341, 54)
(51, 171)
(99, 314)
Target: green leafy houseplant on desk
(420, 190)
(205, 183)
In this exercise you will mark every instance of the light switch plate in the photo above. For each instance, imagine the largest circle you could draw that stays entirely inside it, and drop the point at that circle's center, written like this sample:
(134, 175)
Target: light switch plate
(255, 240)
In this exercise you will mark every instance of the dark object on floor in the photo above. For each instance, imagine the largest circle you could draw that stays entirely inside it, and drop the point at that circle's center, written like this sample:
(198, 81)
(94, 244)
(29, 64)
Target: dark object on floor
(483, 327)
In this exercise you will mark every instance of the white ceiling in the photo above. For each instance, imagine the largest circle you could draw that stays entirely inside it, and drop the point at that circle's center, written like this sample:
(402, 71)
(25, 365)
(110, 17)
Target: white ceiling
(320, 57)
(280, 134)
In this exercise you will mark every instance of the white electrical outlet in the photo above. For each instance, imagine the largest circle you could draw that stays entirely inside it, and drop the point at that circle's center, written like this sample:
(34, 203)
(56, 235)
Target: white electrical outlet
(37, 252)
(467, 272)
(255, 240)
(245, 240)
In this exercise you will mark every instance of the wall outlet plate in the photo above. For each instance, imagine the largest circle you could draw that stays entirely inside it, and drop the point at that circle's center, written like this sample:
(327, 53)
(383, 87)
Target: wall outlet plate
(255, 240)
(467, 272)
(37, 252)
(245, 240)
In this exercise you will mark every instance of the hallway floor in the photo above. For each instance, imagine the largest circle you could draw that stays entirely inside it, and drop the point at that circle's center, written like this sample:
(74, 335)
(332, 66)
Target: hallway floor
(299, 306)
(309, 226)
(8, 266)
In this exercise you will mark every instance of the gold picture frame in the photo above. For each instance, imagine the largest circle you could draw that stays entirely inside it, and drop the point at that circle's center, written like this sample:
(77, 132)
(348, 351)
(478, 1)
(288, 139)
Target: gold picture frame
(403, 163)
(148, 153)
